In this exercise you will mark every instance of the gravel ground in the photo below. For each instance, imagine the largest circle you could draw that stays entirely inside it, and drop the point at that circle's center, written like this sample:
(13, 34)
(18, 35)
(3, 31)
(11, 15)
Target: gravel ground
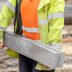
(7, 64)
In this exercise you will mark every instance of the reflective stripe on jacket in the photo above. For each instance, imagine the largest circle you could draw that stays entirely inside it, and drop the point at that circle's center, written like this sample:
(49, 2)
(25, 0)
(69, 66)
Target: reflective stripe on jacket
(50, 21)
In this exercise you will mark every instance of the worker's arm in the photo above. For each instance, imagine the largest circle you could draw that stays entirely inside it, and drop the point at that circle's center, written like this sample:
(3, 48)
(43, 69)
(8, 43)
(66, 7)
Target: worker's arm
(51, 30)
(6, 15)
(56, 21)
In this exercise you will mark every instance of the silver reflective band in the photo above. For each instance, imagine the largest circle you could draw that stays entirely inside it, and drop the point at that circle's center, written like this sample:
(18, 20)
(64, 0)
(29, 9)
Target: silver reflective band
(30, 29)
(9, 5)
(56, 15)
(43, 22)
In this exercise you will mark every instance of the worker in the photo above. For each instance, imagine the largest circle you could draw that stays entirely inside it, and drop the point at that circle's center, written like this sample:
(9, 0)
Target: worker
(38, 20)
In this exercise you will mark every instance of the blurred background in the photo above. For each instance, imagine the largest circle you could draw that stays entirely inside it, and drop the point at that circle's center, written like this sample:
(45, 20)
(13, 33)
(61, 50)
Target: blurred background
(8, 64)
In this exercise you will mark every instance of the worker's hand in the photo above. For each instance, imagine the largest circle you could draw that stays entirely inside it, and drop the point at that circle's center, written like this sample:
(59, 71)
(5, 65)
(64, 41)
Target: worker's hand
(1, 44)
(68, 39)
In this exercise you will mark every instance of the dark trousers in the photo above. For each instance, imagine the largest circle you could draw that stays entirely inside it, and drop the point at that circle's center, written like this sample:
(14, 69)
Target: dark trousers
(28, 65)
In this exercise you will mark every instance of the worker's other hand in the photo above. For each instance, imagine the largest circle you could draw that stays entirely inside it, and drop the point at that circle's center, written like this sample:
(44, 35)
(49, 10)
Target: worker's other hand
(1, 44)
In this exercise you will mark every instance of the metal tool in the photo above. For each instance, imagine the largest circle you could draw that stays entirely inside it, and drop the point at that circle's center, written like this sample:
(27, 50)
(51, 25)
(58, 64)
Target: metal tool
(39, 52)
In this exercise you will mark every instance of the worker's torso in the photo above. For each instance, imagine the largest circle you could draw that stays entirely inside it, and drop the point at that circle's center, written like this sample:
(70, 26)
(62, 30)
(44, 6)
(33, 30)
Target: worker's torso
(43, 20)
(30, 18)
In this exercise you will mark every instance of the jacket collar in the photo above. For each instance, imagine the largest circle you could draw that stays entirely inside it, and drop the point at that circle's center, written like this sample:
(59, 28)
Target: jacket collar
(43, 3)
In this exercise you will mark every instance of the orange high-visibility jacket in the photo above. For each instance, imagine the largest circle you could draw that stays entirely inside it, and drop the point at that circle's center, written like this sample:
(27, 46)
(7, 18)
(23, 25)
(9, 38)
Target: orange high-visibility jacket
(30, 19)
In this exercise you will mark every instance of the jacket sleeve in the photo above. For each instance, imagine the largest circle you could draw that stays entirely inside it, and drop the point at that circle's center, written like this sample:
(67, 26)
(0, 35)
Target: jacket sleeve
(51, 32)
(6, 15)
(56, 21)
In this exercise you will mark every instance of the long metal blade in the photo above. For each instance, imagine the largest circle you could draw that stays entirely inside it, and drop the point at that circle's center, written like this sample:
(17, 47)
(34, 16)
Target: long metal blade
(36, 51)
